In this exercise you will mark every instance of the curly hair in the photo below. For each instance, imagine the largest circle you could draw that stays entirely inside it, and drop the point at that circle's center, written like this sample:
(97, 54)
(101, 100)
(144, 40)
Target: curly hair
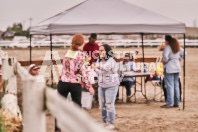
(175, 46)
(109, 52)
(78, 39)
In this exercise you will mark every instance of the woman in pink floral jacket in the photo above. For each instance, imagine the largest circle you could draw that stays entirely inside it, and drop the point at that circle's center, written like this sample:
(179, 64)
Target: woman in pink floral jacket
(74, 72)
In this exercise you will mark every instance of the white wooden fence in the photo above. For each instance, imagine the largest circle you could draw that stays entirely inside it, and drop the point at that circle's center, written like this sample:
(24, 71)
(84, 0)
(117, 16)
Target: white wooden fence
(36, 97)
(113, 43)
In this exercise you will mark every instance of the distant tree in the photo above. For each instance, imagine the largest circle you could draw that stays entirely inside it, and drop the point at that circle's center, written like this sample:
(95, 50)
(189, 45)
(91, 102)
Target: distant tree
(8, 28)
(18, 29)
(22, 33)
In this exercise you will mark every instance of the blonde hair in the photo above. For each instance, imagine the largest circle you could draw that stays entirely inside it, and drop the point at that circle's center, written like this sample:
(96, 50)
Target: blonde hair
(78, 39)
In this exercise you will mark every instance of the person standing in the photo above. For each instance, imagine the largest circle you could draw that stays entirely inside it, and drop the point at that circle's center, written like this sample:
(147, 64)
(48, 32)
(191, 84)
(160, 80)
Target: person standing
(108, 81)
(171, 56)
(74, 72)
(91, 48)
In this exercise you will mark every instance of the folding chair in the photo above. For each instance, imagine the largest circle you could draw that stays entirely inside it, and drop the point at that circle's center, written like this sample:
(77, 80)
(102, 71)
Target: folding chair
(122, 87)
(157, 84)
(122, 91)
(157, 80)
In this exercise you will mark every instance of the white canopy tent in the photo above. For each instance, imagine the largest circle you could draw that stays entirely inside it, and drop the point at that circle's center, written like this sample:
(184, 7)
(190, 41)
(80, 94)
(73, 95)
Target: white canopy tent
(108, 17)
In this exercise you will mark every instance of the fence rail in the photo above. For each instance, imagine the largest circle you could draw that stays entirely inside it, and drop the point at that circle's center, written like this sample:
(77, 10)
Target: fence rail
(113, 43)
(48, 62)
(37, 97)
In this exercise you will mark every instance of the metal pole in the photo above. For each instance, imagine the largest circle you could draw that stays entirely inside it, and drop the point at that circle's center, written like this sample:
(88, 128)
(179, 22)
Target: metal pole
(184, 74)
(142, 35)
(51, 59)
(30, 49)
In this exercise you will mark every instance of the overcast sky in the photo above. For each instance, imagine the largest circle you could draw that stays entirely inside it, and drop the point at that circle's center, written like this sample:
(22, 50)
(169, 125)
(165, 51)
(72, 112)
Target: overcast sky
(12, 11)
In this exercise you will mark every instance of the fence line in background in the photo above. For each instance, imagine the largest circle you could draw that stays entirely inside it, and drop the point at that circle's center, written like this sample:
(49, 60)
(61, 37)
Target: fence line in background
(113, 43)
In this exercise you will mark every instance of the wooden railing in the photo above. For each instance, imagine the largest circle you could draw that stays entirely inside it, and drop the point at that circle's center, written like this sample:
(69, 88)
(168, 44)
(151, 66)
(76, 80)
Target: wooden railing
(48, 62)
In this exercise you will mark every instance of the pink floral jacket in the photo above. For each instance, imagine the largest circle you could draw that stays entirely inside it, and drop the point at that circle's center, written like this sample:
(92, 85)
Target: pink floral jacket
(75, 68)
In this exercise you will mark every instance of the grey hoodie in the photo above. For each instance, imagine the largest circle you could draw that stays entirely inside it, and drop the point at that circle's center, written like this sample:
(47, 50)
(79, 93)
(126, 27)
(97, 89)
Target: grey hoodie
(107, 74)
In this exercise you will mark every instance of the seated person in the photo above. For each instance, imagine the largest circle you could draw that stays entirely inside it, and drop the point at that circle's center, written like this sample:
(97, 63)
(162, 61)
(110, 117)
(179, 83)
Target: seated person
(127, 65)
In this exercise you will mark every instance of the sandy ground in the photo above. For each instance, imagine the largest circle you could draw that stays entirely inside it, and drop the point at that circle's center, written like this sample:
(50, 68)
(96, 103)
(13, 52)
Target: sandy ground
(142, 116)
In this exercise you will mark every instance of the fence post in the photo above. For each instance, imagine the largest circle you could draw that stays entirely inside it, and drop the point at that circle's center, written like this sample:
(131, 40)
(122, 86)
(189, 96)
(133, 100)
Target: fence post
(34, 118)
(9, 100)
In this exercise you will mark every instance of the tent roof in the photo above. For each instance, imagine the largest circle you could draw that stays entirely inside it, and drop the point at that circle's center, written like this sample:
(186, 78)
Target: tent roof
(107, 17)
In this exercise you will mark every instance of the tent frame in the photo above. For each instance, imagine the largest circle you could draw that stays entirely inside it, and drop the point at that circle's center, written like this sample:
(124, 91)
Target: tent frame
(142, 37)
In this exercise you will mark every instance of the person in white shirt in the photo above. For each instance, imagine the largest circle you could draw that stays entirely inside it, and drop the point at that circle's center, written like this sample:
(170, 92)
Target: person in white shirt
(172, 54)
(127, 65)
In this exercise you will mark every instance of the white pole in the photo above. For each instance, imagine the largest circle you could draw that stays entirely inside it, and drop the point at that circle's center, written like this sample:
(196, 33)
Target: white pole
(34, 119)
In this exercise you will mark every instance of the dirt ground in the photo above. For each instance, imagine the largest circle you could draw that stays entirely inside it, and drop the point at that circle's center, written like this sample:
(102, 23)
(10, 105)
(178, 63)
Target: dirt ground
(142, 116)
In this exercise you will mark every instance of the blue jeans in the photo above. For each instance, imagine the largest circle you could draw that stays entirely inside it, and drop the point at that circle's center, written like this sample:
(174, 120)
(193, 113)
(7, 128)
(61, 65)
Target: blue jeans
(107, 103)
(128, 85)
(172, 85)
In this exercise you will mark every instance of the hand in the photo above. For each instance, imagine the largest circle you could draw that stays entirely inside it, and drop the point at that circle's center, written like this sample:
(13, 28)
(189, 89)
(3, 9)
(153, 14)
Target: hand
(98, 67)
(91, 91)
(93, 66)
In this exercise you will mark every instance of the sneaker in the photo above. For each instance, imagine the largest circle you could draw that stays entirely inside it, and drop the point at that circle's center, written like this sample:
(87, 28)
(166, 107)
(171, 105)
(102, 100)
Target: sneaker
(110, 127)
(165, 106)
(105, 124)
(176, 106)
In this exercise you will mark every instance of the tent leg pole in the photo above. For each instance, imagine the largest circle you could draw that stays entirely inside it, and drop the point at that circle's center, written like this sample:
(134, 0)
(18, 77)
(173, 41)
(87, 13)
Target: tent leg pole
(30, 49)
(51, 59)
(184, 74)
(142, 35)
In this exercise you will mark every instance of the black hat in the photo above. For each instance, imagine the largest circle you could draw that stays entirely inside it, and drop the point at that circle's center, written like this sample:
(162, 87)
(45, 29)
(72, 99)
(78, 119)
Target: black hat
(93, 35)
